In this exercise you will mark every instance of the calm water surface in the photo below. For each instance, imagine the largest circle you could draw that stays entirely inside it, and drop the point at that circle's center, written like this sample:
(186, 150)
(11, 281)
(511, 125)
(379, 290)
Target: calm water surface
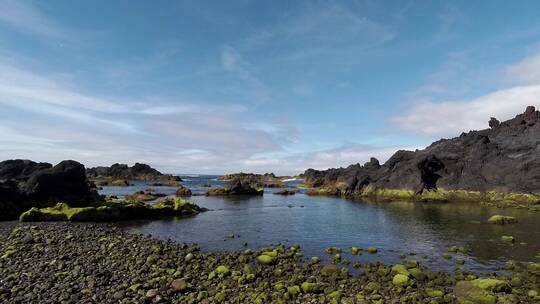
(423, 230)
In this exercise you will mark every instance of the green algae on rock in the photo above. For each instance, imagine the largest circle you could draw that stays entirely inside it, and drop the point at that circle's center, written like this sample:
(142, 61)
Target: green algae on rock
(481, 291)
(265, 259)
(502, 220)
(400, 280)
(116, 211)
(372, 250)
(508, 238)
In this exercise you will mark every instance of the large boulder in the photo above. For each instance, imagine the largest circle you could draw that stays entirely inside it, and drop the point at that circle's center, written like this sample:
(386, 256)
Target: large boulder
(65, 181)
(25, 184)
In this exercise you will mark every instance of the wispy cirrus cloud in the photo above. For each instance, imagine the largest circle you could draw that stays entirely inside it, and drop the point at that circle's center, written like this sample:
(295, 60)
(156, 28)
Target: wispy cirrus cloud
(315, 30)
(233, 62)
(24, 17)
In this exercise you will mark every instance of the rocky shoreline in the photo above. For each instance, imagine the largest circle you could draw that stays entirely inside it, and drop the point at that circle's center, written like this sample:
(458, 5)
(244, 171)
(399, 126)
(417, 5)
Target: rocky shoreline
(496, 166)
(89, 263)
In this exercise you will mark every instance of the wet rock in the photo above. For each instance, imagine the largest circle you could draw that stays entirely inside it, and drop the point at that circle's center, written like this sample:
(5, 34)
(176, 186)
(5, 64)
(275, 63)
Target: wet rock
(372, 250)
(117, 183)
(183, 191)
(502, 220)
(236, 187)
(286, 192)
(508, 238)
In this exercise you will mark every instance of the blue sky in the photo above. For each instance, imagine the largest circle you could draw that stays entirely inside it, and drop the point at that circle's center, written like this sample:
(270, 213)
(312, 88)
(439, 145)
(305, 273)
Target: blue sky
(281, 86)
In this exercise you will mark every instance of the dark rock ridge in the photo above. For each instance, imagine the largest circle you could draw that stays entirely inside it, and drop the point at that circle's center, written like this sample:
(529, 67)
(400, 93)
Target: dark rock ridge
(25, 184)
(504, 158)
(267, 180)
(136, 172)
(235, 187)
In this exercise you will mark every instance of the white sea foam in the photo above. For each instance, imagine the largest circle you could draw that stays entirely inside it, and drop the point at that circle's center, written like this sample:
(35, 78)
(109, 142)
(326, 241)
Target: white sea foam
(290, 180)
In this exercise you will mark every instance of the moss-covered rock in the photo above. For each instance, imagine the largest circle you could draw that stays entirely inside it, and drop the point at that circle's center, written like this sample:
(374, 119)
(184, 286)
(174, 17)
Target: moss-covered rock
(308, 287)
(265, 259)
(223, 270)
(534, 268)
(120, 183)
(293, 290)
(508, 238)
(502, 220)
(372, 250)
(434, 293)
(183, 191)
(481, 291)
(400, 280)
(400, 269)
(117, 211)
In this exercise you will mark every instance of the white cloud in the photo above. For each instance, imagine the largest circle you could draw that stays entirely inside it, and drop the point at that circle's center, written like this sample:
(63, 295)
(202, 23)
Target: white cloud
(22, 16)
(449, 118)
(431, 115)
(527, 71)
(64, 122)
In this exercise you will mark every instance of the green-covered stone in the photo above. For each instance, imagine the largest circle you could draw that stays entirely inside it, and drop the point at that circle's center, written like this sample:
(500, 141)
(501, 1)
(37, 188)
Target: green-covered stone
(434, 293)
(308, 287)
(400, 269)
(400, 280)
(502, 220)
(372, 250)
(508, 238)
(223, 270)
(265, 259)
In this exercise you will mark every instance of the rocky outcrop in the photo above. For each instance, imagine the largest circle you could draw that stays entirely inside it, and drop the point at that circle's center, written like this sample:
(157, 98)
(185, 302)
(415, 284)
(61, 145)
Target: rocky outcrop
(236, 187)
(111, 212)
(267, 180)
(504, 158)
(122, 172)
(183, 191)
(25, 184)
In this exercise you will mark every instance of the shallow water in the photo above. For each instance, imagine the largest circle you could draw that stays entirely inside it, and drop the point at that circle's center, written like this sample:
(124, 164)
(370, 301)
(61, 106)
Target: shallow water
(426, 230)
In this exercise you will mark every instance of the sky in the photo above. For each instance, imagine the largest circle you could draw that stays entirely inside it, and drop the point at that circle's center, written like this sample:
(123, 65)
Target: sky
(257, 86)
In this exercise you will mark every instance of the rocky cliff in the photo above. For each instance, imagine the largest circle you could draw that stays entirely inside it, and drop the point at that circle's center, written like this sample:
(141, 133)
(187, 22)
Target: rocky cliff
(504, 158)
